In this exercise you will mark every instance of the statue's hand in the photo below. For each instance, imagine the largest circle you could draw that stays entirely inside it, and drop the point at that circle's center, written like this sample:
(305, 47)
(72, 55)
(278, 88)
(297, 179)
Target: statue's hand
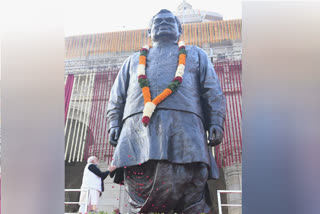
(215, 135)
(114, 135)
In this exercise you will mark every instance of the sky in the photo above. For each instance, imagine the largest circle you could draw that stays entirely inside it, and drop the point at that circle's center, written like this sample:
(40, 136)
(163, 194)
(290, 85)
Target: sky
(99, 16)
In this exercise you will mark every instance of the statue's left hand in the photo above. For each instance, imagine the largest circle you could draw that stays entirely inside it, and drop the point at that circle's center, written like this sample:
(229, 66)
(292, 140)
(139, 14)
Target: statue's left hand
(215, 135)
(114, 135)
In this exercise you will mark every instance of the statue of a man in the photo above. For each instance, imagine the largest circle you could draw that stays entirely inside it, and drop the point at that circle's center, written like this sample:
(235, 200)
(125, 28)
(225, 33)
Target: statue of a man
(166, 163)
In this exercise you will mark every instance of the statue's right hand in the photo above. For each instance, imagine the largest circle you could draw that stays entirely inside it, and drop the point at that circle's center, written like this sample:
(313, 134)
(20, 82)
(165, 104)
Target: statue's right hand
(114, 136)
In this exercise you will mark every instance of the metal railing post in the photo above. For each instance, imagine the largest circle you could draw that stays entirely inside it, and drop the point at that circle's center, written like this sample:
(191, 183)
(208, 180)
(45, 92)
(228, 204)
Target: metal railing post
(219, 202)
(226, 205)
(79, 190)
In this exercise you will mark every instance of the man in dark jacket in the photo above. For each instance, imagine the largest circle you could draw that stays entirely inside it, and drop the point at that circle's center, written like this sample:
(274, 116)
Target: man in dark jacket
(166, 164)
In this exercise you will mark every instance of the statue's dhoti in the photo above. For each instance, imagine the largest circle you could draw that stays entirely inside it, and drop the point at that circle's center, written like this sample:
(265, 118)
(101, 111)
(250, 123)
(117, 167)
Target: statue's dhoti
(174, 158)
(161, 186)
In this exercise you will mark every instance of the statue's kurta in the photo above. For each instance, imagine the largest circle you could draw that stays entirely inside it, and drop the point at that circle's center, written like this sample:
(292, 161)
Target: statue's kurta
(176, 131)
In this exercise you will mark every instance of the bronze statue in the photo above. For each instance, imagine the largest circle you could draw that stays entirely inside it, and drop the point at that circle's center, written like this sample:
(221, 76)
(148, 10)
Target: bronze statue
(165, 160)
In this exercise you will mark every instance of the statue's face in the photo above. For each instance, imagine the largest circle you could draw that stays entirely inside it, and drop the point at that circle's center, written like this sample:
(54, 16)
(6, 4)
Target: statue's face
(164, 27)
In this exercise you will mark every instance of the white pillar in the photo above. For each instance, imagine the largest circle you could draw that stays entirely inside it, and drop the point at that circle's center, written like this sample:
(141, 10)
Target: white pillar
(233, 178)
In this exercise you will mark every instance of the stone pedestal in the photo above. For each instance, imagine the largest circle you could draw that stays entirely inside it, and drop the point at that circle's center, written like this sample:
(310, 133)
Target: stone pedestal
(233, 179)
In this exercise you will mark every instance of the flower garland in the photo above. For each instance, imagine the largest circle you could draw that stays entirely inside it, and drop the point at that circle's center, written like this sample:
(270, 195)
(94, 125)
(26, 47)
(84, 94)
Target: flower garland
(150, 105)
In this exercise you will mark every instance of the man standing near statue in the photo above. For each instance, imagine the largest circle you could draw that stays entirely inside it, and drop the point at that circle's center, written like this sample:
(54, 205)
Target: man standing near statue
(92, 182)
(163, 101)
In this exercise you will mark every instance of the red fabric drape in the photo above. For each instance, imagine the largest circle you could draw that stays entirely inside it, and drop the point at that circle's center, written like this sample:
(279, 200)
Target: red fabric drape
(229, 152)
(67, 95)
(97, 138)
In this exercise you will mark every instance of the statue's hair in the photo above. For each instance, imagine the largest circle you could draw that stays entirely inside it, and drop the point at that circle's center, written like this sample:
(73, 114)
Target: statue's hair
(166, 11)
(163, 11)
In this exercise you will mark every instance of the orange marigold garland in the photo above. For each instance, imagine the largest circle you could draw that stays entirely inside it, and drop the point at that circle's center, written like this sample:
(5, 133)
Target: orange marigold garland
(162, 96)
(150, 106)
(146, 94)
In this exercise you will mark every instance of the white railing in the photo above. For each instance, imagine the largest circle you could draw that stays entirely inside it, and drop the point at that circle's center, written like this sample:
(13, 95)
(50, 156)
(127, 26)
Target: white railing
(226, 205)
(79, 190)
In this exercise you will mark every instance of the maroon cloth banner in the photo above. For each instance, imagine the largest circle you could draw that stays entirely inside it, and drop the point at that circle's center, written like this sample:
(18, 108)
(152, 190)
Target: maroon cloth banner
(229, 152)
(97, 138)
(67, 95)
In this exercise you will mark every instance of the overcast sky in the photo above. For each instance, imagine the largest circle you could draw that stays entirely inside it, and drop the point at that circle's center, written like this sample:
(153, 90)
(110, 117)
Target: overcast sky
(98, 16)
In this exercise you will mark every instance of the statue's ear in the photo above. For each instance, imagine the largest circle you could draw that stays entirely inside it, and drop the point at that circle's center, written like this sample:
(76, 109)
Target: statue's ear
(180, 31)
(149, 32)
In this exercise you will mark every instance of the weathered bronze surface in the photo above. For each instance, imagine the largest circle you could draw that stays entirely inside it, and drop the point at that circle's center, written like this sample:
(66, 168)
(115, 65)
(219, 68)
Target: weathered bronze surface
(176, 134)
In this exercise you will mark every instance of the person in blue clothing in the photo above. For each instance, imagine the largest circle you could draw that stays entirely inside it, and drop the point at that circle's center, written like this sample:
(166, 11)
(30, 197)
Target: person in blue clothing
(93, 182)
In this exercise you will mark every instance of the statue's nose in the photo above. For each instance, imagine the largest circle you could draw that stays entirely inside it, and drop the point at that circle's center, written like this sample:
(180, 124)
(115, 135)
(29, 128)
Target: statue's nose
(164, 22)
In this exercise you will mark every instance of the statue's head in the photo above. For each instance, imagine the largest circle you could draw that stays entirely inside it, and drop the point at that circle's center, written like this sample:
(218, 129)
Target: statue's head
(165, 26)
